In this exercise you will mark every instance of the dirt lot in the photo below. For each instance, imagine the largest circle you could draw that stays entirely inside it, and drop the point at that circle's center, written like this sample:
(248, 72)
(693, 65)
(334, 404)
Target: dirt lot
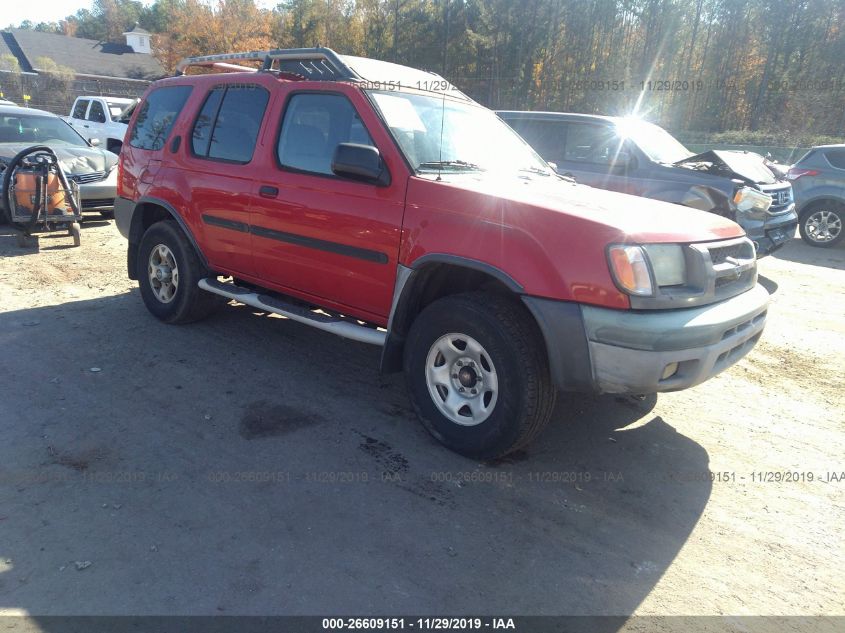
(250, 465)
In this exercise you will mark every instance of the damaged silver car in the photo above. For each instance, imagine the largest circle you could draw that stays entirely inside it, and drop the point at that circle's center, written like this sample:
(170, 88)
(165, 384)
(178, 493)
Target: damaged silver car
(92, 168)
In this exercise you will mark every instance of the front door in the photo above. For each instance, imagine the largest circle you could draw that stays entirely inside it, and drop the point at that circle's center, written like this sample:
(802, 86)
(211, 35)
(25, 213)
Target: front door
(321, 235)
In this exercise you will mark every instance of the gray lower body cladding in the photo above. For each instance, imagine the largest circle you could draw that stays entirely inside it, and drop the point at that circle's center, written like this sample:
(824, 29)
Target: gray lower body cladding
(647, 351)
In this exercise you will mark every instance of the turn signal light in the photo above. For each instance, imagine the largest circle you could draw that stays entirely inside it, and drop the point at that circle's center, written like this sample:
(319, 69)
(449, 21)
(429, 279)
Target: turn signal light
(630, 270)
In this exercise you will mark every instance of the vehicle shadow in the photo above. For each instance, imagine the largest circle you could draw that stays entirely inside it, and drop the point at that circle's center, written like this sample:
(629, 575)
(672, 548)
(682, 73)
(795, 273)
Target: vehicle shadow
(44, 241)
(249, 465)
(797, 250)
(91, 222)
(770, 285)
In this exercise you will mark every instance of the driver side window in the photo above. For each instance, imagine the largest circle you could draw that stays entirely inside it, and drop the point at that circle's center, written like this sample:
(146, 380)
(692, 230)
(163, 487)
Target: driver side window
(313, 126)
(587, 143)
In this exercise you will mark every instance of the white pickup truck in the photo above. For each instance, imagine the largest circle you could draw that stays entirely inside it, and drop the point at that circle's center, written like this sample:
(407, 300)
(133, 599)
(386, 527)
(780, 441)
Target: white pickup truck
(102, 118)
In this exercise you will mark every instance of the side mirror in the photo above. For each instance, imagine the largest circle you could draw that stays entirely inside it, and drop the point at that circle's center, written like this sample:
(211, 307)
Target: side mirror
(552, 165)
(360, 162)
(95, 142)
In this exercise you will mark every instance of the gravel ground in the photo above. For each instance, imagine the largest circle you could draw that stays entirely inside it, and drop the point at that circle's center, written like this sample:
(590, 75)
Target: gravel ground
(251, 465)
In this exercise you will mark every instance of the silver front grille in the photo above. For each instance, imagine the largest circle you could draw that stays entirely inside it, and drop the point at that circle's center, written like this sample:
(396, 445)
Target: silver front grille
(94, 176)
(720, 254)
(714, 271)
(732, 266)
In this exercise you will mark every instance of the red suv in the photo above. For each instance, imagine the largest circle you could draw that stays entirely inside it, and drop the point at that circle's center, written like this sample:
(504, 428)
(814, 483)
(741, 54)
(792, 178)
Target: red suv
(380, 203)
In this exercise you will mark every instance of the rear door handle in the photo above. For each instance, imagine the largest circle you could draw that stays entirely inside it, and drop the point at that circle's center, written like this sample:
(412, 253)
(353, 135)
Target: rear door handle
(266, 191)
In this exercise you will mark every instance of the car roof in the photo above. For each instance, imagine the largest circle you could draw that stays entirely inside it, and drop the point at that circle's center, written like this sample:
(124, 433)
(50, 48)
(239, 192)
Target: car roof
(836, 146)
(322, 64)
(552, 116)
(4, 109)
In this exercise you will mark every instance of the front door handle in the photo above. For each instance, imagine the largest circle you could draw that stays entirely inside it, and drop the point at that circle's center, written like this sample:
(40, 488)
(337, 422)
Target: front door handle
(266, 191)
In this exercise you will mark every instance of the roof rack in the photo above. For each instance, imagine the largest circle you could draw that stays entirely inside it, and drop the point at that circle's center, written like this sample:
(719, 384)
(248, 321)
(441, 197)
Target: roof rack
(318, 63)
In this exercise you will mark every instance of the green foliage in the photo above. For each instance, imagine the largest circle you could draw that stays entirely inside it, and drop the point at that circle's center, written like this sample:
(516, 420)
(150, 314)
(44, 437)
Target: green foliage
(771, 138)
(58, 77)
(10, 63)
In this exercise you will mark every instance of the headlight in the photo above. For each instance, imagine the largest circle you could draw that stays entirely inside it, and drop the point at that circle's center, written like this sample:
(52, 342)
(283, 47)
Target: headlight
(752, 202)
(639, 270)
(630, 270)
(667, 264)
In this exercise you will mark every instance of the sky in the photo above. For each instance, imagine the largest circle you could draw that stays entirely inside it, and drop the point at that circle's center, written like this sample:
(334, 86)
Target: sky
(15, 11)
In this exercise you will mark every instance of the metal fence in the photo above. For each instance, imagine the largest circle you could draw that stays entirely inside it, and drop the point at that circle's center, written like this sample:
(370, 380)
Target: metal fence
(49, 93)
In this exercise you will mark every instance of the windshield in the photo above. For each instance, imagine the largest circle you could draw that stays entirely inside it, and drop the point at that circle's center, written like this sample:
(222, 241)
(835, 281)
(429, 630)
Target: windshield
(657, 143)
(27, 128)
(474, 139)
(115, 109)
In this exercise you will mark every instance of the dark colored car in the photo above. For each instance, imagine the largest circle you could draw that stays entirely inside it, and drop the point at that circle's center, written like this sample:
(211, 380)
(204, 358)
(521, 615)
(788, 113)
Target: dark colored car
(643, 159)
(92, 168)
(818, 180)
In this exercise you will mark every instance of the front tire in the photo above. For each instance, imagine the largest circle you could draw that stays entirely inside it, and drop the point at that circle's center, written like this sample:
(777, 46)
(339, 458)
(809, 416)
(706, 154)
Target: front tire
(822, 224)
(478, 374)
(168, 273)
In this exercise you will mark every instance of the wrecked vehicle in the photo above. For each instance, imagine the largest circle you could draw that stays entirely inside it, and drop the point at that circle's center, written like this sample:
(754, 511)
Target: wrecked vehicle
(636, 157)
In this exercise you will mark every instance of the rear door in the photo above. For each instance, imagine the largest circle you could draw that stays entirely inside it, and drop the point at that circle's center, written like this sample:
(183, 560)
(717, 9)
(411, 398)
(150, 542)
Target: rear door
(95, 124)
(217, 171)
(833, 176)
(320, 235)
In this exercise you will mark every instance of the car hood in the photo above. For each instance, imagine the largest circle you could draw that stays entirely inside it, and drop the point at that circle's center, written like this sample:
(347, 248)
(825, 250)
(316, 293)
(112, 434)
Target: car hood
(748, 166)
(74, 160)
(628, 218)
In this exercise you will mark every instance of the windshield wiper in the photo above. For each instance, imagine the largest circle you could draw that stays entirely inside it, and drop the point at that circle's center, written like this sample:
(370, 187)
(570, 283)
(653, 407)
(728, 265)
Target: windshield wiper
(440, 164)
(535, 170)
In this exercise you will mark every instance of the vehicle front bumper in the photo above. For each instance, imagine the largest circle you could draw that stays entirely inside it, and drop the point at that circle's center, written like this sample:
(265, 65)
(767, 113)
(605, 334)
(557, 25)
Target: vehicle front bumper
(771, 233)
(627, 351)
(99, 196)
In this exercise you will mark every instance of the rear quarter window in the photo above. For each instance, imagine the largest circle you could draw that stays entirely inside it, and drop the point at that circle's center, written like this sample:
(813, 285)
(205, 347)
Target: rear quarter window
(836, 157)
(157, 116)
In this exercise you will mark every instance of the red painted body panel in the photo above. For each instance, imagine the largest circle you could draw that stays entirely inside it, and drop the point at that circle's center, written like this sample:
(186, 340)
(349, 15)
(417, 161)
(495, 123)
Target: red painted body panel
(337, 210)
(549, 235)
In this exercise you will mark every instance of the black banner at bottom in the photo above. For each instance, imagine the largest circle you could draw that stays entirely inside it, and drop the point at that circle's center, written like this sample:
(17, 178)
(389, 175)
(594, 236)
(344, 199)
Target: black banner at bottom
(446, 624)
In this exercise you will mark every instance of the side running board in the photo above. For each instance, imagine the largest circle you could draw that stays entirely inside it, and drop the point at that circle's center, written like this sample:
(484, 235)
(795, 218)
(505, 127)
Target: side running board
(347, 328)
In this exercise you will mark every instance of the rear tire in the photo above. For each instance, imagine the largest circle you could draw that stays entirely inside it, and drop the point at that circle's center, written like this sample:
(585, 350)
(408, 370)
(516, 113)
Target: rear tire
(168, 273)
(489, 346)
(822, 224)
